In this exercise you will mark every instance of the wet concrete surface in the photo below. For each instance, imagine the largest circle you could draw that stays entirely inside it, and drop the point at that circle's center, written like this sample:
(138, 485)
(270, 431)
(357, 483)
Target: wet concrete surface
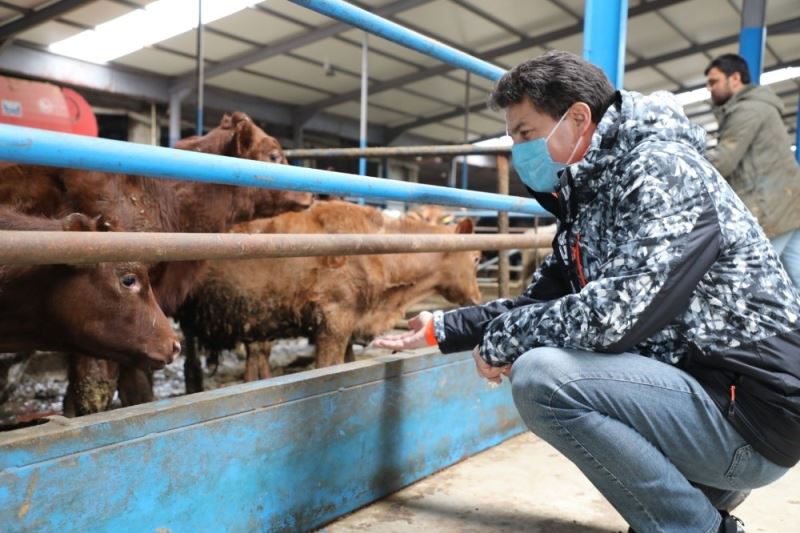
(525, 485)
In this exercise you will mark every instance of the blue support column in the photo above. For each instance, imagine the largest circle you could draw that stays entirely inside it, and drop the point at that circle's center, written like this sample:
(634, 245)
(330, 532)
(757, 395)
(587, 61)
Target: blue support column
(605, 26)
(797, 134)
(362, 141)
(753, 36)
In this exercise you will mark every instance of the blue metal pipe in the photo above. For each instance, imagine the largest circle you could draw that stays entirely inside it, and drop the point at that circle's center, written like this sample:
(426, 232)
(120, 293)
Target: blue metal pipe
(605, 26)
(797, 135)
(28, 145)
(751, 48)
(360, 18)
(753, 37)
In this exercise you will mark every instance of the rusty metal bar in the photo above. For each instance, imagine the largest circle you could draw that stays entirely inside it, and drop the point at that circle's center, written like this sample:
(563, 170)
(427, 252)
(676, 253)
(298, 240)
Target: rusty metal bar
(396, 151)
(502, 228)
(51, 247)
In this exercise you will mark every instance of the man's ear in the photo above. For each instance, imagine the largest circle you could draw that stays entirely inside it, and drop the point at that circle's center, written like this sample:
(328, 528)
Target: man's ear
(581, 114)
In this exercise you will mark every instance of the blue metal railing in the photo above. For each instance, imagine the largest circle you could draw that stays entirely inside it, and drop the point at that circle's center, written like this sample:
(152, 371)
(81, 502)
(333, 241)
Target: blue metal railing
(28, 145)
(396, 33)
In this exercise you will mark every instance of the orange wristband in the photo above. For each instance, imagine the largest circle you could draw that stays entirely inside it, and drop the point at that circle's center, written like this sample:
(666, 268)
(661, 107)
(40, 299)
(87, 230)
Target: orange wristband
(430, 334)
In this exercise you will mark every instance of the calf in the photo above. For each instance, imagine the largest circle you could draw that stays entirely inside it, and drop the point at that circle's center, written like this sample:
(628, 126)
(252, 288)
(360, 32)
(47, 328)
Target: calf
(105, 310)
(146, 204)
(329, 299)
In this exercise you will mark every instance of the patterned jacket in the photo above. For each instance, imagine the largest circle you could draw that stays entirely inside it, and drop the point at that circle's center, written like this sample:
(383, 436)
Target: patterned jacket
(656, 255)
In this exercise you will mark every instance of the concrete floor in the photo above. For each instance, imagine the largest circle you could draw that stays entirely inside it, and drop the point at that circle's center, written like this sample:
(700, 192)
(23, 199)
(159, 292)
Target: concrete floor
(525, 485)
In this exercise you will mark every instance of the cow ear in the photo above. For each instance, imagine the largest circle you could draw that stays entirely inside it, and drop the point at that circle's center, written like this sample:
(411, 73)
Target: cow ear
(465, 226)
(77, 222)
(243, 137)
(333, 261)
(226, 122)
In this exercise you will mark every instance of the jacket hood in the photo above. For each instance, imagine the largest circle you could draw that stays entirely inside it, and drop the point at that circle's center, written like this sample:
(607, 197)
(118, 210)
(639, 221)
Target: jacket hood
(633, 119)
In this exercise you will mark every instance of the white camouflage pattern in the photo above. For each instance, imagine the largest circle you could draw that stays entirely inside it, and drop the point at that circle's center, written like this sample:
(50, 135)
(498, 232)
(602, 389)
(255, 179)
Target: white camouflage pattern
(635, 199)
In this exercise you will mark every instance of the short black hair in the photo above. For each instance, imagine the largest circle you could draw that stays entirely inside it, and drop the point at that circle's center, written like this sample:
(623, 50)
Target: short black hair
(730, 63)
(553, 82)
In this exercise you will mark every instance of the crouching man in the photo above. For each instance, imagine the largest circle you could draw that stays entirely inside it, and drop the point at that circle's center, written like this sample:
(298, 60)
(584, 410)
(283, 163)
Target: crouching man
(658, 347)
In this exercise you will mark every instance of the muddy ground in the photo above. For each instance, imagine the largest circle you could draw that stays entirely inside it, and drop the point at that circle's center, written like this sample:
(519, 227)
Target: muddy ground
(34, 385)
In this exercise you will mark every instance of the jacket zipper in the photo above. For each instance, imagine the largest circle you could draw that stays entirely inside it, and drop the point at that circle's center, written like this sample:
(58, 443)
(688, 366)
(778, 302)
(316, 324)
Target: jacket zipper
(732, 394)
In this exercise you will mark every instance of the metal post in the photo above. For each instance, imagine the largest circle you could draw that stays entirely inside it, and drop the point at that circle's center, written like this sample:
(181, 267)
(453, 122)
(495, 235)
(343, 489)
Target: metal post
(503, 267)
(464, 166)
(175, 100)
(604, 31)
(451, 178)
(753, 36)
(200, 67)
(153, 125)
(362, 134)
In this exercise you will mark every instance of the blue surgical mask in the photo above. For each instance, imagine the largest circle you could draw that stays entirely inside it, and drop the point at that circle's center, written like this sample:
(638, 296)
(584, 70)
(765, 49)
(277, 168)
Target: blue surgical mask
(533, 162)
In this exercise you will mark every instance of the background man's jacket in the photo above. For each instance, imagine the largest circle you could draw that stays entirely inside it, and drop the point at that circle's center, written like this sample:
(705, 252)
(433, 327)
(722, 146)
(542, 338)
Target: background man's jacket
(753, 154)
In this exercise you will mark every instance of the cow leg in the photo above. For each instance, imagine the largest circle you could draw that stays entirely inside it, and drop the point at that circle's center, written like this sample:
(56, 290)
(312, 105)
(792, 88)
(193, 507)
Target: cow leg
(332, 337)
(250, 364)
(264, 371)
(349, 356)
(91, 387)
(257, 363)
(135, 385)
(192, 369)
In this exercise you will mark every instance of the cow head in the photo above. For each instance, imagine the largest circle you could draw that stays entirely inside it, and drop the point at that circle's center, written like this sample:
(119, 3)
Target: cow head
(459, 284)
(238, 136)
(108, 310)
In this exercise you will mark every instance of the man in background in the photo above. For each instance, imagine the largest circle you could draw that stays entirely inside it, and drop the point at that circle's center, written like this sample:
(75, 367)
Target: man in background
(754, 155)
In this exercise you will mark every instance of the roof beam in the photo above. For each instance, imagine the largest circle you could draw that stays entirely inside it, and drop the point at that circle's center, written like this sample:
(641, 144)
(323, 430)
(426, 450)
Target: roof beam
(779, 27)
(188, 80)
(458, 111)
(39, 16)
(22, 60)
(37, 63)
(523, 44)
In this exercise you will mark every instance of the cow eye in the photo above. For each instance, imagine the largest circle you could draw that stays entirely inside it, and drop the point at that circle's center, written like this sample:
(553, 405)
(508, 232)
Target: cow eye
(129, 281)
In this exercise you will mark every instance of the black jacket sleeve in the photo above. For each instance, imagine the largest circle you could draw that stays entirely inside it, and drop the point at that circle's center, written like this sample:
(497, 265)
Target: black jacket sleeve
(463, 328)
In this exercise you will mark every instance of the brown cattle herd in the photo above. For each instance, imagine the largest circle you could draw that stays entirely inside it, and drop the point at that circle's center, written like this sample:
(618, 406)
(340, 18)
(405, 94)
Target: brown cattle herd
(110, 319)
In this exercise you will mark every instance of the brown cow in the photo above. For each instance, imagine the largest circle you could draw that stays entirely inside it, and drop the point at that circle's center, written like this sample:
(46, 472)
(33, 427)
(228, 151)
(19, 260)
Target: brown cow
(329, 299)
(106, 309)
(148, 204)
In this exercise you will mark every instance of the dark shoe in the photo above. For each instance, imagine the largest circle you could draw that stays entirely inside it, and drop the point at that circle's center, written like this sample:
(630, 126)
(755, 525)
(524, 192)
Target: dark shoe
(730, 524)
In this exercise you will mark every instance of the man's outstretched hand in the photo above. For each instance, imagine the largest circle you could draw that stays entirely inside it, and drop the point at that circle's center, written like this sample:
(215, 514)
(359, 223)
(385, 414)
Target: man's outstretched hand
(414, 338)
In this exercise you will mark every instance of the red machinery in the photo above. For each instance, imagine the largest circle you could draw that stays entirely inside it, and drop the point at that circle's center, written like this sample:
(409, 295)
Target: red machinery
(45, 106)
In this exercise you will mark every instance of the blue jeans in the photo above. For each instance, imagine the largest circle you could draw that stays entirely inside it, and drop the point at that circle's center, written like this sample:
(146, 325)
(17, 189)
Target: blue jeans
(787, 246)
(645, 433)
